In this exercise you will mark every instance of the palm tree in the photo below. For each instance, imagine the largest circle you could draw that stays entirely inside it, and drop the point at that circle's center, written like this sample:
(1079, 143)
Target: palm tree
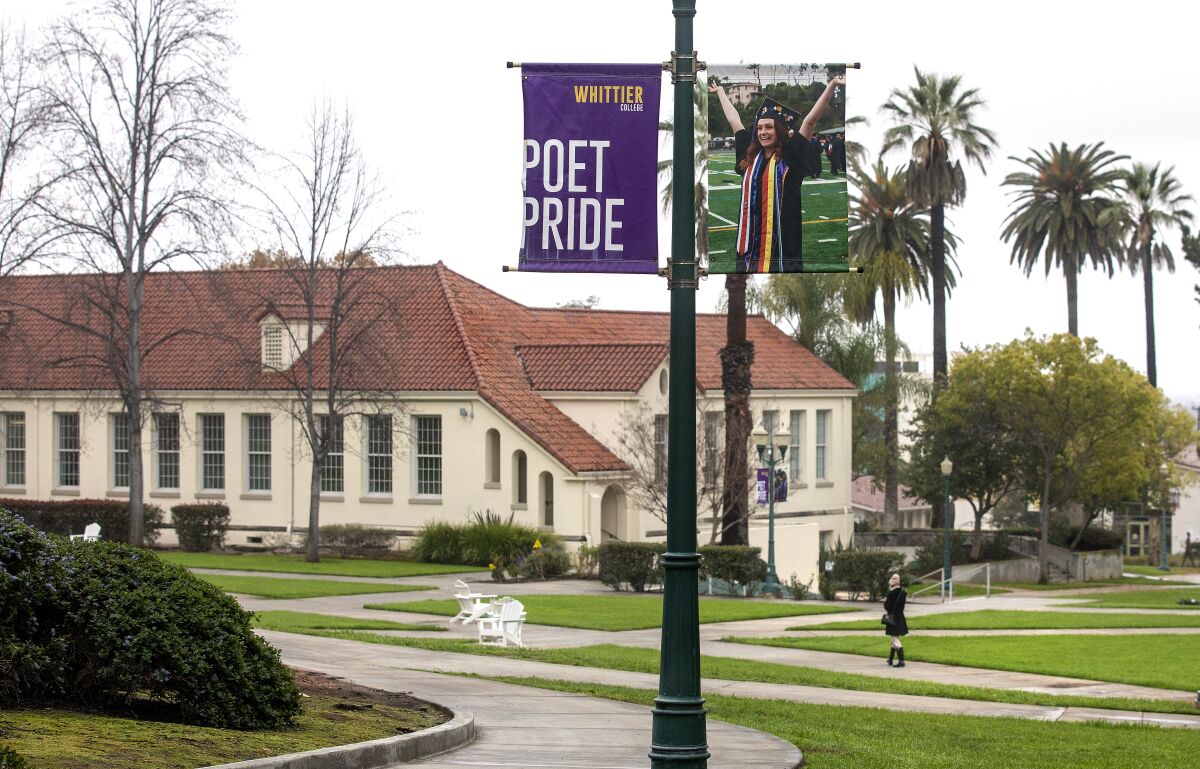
(1066, 207)
(889, 237)
(1154, 202)
(936, 119)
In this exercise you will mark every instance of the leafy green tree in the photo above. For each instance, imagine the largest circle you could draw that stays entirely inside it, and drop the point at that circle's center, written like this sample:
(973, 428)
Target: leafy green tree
(936, 119)
(1155, 202)
(889, 238)
(1066, 213)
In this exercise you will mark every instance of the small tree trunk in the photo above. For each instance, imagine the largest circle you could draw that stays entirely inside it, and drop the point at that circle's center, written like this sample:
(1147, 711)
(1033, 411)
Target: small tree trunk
(312, 551)
(137, 519)
(1148, 291)
(1044, 517)
(977, 537)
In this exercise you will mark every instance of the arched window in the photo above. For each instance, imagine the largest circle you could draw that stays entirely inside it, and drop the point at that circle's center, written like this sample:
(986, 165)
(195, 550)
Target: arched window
(491, 470)
(546, 502)
(520, 471)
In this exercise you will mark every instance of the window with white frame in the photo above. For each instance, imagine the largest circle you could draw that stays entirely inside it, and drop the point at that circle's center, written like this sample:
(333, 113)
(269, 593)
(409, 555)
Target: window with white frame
(166, 450)
(769, 419)
(379, 454)
(14, 448)
(661, 424)
(429, 456)
(212, 452)
(66, 438)
(796, 446)
(821, 456)
(713, 422)
(119, 444)
(333, 467)
(258, 452)
(520, 468)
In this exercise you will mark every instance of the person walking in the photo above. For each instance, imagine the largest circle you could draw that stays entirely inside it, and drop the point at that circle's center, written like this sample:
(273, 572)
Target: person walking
(894, 623)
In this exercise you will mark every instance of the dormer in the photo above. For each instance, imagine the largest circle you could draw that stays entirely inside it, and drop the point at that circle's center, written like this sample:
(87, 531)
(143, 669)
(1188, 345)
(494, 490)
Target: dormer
(284, 340)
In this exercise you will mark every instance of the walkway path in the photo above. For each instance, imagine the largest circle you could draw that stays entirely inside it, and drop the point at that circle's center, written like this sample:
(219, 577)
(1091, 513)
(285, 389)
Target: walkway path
(518, 726)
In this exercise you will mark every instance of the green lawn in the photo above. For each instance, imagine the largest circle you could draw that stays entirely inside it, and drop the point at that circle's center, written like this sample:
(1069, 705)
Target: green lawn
(824, 207)
(834, 737)
(295, 564)
(281, 587)
(64, 739)
(960, 591)
(299, 622)
(621, 612)
(991, 619)
(1143, 599)
(1162, 661)
(1092, 585)
(1154, 571)
(613, 657)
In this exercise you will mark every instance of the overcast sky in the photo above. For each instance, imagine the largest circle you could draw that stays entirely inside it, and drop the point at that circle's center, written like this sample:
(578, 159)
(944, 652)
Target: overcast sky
(413, 74)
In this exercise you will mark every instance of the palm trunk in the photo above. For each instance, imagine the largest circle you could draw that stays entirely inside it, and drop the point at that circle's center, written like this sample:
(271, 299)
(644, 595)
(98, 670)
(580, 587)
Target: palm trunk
(1072, 275)
(1148, 291)
(937, 271)
(737, 357)
(891, 483)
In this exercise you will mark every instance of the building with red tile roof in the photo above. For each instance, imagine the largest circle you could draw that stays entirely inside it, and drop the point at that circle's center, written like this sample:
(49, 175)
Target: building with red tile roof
(506, 407)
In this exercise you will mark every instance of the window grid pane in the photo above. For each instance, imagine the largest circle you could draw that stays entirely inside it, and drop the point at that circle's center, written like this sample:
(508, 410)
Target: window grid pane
(822, 443)
(68, 449)
(14, 449)
(712, 448)
(333, 467)
(212, 450)
(120, 447)
(795, 442)
(379, 455)
(258, 443)
(429, 455)
(166, 433)
(660, 447)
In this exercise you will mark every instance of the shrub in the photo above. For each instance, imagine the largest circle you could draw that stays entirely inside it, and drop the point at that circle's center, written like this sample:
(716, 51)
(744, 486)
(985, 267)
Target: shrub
(354, 539)
(550, 561)
(799, 590)
(123, 624)
(201, 527)
(587, 558)
(632, 563)
(66, 517)
(439, 542)
(11, 759)
(865, 571)
(489, 539)
(733, 563)
(32, 646)
(1093, 538)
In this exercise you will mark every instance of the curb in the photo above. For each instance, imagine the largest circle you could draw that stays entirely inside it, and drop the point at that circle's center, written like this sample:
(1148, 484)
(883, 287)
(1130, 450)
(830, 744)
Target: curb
(453, 734)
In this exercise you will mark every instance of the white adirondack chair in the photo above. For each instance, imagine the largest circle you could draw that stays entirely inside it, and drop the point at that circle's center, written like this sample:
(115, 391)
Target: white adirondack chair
(91, 533)
(503, 628)
(471, 606)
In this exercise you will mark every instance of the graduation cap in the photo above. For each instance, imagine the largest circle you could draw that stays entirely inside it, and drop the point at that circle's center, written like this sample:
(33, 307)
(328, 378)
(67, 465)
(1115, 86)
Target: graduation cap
(773, 109)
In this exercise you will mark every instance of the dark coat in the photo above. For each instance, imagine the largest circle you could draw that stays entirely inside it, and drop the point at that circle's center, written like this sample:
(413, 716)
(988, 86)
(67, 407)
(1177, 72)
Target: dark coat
(802, 161)
(894, 605)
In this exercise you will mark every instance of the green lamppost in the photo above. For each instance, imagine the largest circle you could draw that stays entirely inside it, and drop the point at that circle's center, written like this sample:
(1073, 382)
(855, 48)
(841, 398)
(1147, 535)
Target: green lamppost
(765, 443)
(948, 519)
(678, 730)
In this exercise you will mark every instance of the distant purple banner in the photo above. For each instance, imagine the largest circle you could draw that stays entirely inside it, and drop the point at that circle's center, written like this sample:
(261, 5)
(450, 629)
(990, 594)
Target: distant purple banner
(762, 481)
(590, 168)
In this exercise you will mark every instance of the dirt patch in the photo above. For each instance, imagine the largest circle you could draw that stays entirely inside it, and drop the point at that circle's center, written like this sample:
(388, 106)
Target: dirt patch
(353, 698)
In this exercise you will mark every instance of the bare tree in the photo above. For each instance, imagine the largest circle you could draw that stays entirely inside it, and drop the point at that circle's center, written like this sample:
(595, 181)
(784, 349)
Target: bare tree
(325, 216)
(24, 123)
(143, 123)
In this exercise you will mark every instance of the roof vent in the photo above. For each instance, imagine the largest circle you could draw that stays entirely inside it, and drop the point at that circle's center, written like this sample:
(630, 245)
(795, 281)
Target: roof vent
(272, 346)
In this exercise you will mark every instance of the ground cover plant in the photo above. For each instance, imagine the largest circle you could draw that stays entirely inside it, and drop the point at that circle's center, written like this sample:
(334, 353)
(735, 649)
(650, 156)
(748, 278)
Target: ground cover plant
(1161, 661)
(295, 564)
(992, 619)
(71, 739)
(620, 612)
(283, 587)
(298, 622)
(1144, 599)
(639, 660)
(833, 737)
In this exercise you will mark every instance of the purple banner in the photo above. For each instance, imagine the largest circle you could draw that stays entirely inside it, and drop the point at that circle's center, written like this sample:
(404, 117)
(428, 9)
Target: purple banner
(762, 479)
(590, 168)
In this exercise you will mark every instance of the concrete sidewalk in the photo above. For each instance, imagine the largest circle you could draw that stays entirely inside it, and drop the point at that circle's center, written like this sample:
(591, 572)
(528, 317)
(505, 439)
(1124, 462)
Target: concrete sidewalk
(420, 659)
(518, 726)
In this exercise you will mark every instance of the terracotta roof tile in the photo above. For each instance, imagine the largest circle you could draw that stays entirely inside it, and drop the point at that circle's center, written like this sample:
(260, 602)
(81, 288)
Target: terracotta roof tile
(590, 367)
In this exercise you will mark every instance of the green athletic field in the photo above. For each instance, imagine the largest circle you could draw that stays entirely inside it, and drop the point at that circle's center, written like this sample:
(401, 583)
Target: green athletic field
(824, 206)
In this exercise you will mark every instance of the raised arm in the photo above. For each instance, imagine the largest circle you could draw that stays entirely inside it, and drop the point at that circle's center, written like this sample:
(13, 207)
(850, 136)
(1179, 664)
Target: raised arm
(731, 114)
(810, 122)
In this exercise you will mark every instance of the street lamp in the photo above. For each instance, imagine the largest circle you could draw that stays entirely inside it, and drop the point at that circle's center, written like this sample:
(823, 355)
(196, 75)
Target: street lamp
(765, 443)
(1164, 544)
(948, 520)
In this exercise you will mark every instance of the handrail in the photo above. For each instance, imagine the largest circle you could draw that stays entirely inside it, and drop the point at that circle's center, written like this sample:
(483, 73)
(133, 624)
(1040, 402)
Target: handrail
(946, 586)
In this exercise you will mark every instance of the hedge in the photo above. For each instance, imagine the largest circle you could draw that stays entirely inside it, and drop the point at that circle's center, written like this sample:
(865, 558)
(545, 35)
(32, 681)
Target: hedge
(66, 517)
(733, 563)
(487, 540)
(200, 527)
(104, 624)
(355, 539)
(864, 571)
(631, 563)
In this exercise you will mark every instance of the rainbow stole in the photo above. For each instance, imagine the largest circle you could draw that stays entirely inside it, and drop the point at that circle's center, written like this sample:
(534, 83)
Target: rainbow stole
(760, 239)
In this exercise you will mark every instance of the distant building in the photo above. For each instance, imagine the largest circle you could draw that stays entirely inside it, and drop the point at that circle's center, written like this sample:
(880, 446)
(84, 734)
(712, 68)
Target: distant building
(868, 505)
(742, 94)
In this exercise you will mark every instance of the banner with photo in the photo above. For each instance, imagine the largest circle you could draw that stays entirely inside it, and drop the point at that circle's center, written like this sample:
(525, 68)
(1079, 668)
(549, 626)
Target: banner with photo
(590, 173)
(762, 482)
(777, 199)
